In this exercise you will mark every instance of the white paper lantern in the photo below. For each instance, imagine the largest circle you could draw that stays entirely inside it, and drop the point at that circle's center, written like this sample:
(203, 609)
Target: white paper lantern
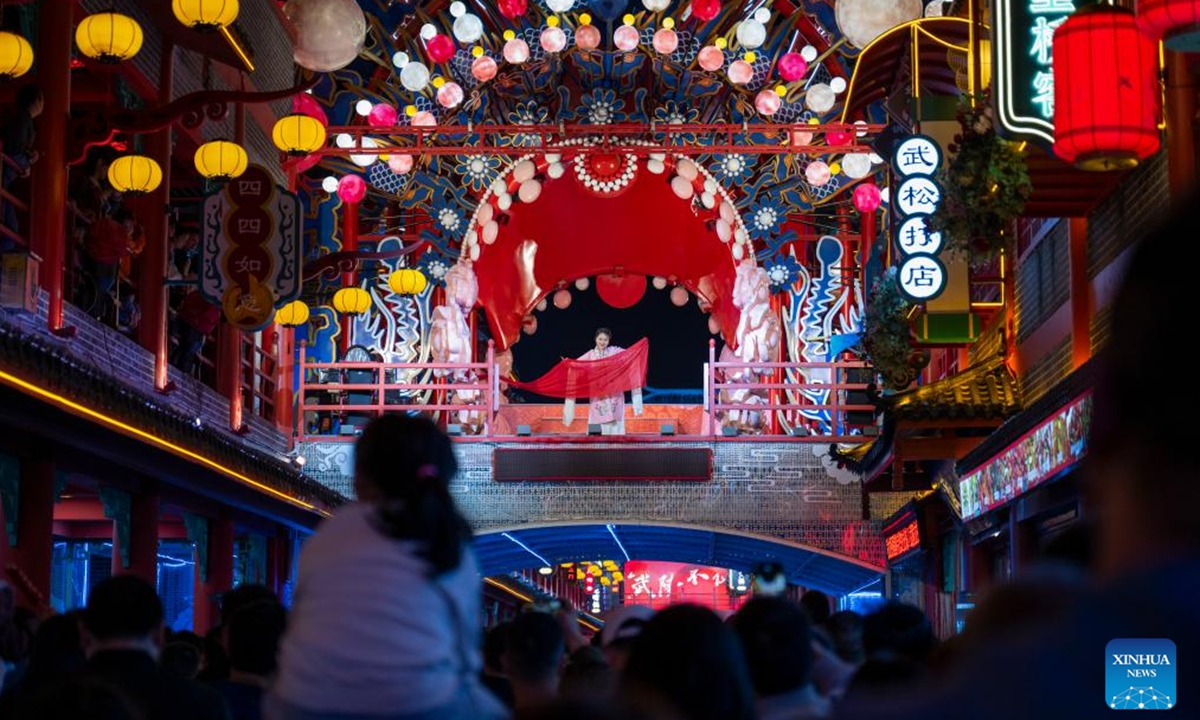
(724, 230)
(329, 33)
(400, 59)
(838, 85)
(471, 238)
(659, 283)
(679, 296)
(655, 166)
(856, 165)
(656, 6)
(687, 169)
(555, 170)
(707, 200)
(529, 191)
(329, 184)
(428, 31)
(820, 98)
(414, 77)
(560, 6)
(489, 232)
(728, 214)
(467, 28)
(504, 201)
(363, 107)
(751, 34)
(524, 170)
(365, 160)
(542, 305)
(809, 53)
(582, 284)
(739, 252)
(485, 213)
(500, 185)
(682, 188)
(473, 252)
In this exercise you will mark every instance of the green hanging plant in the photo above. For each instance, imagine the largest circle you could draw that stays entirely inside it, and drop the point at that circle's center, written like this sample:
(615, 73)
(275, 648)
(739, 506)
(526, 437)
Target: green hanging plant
(887, 334)
(985, 185)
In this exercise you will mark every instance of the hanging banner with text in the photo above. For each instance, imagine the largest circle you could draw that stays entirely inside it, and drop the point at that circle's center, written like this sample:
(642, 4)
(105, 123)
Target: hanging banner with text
(921, 276)
(1024, 66)
(250, 249)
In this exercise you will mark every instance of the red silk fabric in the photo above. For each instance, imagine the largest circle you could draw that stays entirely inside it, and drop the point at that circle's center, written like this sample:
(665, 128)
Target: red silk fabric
(594, 378)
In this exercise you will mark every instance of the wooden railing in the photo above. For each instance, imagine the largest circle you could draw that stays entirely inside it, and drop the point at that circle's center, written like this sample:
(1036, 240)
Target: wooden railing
(8, 198)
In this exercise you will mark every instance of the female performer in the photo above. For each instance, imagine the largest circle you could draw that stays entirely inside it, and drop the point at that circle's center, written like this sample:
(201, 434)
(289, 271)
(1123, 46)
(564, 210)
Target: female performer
(609, 411)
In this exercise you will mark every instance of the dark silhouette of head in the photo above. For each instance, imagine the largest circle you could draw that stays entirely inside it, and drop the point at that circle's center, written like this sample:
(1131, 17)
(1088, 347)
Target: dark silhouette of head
(243, 595)
(57, 651)
(31, 100)
(124, 607)
(493, 648)
(693, 661)
(534, 645)
(403, 465)
(898, 630)
(777, 638)
(817, 605)
(253, 634)
(845, 631)
(183, 655)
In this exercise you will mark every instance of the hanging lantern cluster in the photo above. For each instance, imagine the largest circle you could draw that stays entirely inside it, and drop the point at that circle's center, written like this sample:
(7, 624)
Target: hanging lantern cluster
(16, 56)
(1106, 94)
(1175, 22)
(298, 134)
(205, 15)
(293, 314)
(221, 160)
(134, 175)
(352, 301)
(109, 37)
(407, 281)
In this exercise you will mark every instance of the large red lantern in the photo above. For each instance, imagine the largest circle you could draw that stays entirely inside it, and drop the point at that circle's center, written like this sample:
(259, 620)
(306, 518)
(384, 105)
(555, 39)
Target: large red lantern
(1177, 22)
(1106, 94)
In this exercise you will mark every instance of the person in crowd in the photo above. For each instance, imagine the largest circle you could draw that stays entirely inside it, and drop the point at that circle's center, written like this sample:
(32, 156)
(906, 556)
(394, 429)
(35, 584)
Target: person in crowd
(689, 659)
(20, 134)
(621, 627)
(55, 655)
(196, 320)
(107, 243)
(252, 634)
(493, 670)
(778, 642)
(123, 636)
(183, 655)
(587, 675)
(1141, 488)
(898, 630)
(534, 653)
(386, 614)
(817, 605)
(82, 698)
(845, 632)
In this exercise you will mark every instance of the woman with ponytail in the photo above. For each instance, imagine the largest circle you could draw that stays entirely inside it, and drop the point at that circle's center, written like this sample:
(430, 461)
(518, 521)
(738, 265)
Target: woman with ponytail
(385, 624)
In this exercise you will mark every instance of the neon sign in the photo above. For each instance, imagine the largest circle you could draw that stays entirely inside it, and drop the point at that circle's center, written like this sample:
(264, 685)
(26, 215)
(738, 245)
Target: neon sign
(1025, 66)
(921, 275)
(906, 539)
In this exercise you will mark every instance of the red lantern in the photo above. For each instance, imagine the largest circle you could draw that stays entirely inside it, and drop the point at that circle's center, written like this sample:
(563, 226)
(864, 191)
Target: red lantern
(1177, 22)
(1106, 94)
(512, 9)
(867, 198)
(440, 48)
(706, 9)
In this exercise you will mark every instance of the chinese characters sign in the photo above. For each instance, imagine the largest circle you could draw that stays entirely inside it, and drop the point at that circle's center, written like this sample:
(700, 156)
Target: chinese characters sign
(1025, 65)
(922, 276)
(250, 258)
(1042, 454)
(659, 584)
(904, 540)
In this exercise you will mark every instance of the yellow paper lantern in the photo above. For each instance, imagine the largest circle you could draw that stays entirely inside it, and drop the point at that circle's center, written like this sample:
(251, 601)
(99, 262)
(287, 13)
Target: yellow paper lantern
(298, 134)
(134, 175)
(16, 56)
(221, 160)
(406, 281)
(205, 15)
(293, 314)
(351, 301)
(109, 37)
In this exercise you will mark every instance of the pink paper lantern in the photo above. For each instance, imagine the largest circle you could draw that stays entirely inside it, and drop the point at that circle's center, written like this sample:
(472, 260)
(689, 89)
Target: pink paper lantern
(626, 38)
(792, 67)
(400, 164)
(306, 104)
(351, 188)
(553, 39)
(665, 41)
(450, 95)
(423, 118)
(711, 58)
(817, 173)
(484, 68)
(679, 296)
(740, 72)
(382, 115)
(512, 9)
(516, 51)
(706, 9)
(440, 48)
(768, 102)
(562, 299)
(801, 137)
(866, 198)
(587, 37)
(836, 138)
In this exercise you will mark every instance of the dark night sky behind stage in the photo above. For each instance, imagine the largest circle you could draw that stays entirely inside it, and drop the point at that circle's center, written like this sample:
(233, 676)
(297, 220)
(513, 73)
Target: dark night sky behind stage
(678, 336)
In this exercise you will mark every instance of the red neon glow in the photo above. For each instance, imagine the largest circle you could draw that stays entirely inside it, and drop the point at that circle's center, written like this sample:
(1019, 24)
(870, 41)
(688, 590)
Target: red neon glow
(908, 538)
(659, 584)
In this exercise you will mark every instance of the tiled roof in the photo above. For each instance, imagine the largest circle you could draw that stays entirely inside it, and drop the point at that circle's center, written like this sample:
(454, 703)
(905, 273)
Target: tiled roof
(985, 391)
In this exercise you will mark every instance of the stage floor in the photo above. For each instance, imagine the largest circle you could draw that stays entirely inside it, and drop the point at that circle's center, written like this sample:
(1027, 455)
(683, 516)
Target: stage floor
(547, 420)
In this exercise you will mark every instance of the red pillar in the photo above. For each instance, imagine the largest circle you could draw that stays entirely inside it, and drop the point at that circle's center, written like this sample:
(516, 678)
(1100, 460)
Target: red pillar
(143, 538)
(350, 279)
(1081, 305)
(47, 222)
(152, 331)
(1181, 113)
(35, 526)
(205, 612)
(229, 372)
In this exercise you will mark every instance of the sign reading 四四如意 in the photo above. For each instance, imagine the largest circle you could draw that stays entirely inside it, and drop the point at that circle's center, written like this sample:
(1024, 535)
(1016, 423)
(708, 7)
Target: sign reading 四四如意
(1024, 66)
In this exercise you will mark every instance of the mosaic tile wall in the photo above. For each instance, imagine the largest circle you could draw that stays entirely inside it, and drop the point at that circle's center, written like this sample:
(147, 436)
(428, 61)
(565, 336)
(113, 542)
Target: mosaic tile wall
(775, 489)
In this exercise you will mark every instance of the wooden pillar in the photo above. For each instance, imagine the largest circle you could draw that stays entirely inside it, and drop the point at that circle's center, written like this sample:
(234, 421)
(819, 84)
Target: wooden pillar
(35, 525)
(229, 372)
(1181, 141)
(143, 538)
(205, 611)
(47, 221)
(1081, 303)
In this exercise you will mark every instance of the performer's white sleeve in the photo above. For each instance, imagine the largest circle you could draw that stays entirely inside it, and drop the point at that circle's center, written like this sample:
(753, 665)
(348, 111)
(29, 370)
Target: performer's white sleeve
(637, 401)
(569, 411)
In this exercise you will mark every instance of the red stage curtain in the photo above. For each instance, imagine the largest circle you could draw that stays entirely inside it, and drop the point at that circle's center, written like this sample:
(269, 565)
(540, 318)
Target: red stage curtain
(594, 378)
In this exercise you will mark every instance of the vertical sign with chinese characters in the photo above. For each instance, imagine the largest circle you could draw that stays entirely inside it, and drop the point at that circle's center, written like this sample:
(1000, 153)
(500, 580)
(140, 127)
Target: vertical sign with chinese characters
(1024, 63)
(921, 276)
(250, 248)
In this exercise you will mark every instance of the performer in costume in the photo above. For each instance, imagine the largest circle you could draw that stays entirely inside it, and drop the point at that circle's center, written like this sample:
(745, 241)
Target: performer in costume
(609, 411)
